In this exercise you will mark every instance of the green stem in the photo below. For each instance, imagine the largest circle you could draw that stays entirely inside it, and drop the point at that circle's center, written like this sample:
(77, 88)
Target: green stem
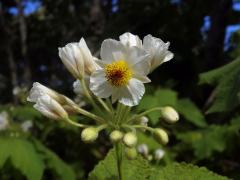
(118, 149)
(90, 115)
(88, 95)
(75, 123)
(104, 105)
(143, 114)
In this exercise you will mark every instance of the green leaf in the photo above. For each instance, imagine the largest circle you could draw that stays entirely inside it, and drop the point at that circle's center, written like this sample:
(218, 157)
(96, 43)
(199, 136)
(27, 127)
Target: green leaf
(207, 141)
(166, 97)
(191, 112)
(226, 93)
(132, 169)
(183, 171)
(214, 76)
(227, 90)
(53, 162)
(25, 112)
(23, 156)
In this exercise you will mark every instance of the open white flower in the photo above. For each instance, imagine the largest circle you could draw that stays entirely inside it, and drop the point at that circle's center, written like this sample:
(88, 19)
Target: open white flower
(122, 74)
(50, 108)
(78, 59)
(157, 49)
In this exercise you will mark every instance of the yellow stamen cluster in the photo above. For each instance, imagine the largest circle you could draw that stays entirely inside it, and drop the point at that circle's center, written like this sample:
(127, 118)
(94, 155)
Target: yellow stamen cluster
(118, 73)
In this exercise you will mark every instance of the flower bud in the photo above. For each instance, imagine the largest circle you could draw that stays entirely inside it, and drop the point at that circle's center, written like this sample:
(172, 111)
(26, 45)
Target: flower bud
(50, 108)
(131, 153)
(169, 114)
(130, 139)
(159, 153)
(144, 121)
(161, 136)
(143, 149)
(116, 136)
(89, 134)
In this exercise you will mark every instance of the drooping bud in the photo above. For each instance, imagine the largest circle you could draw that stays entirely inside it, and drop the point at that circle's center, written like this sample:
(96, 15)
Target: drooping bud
(159, 153)
(116, 136)
(161, 136)
(169, 114)
(131, 153)
(143, 149)
(130, 139)
(89, 135)
(50, 108)
(38, 90)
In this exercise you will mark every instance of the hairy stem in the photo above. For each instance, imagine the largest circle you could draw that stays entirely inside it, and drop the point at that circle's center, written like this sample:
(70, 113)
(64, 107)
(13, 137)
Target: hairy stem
(118, 149)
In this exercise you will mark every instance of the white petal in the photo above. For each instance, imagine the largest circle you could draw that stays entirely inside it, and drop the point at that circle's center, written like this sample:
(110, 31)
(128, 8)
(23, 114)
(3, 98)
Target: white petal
(40, 90)
(133, 93)
(130, 40)
(138, 60)
(158, 50)
(142, 78)
(112, 50)
(99, 85)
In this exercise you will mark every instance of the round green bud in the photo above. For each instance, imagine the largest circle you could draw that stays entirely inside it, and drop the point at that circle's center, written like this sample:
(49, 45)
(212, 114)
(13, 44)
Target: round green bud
(161, 136)
(169, 114)
(131, 153)
(116, 136)
(89, 134)
(130, 139)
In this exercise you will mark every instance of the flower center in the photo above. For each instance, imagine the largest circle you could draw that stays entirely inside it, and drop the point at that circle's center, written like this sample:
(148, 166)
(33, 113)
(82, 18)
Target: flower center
(118, 73)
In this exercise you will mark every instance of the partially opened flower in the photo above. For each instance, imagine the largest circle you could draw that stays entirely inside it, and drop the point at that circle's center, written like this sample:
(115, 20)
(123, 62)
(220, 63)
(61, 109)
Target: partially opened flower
(158, 50)
(122, 73)
(78, 59)
(155, 47)
(50, 108)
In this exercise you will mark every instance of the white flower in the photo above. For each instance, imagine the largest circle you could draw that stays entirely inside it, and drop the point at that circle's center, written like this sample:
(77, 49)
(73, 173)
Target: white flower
(159, 153)
(4, 120)
(78, 59)
(50, 108)
(27, 125)
(129, 40)
(158, 50)
(122, 74)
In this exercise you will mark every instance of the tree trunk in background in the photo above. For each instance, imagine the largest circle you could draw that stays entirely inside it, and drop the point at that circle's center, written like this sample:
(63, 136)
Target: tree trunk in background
(9, 52)
(215, 40)
(23, 37)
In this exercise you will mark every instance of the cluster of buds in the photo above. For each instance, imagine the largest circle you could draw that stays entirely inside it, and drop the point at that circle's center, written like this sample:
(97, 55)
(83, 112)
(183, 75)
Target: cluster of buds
(112, 85)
